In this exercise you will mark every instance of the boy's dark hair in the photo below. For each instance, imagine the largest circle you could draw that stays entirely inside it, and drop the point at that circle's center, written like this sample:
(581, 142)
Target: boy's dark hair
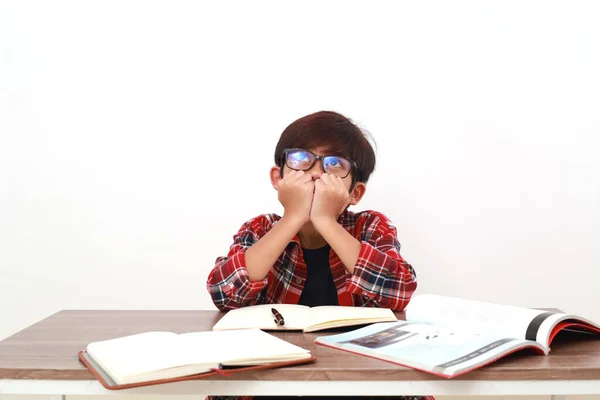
(336, 135)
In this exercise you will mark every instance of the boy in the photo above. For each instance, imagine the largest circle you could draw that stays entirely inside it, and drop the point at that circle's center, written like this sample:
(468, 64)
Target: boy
(318, 252)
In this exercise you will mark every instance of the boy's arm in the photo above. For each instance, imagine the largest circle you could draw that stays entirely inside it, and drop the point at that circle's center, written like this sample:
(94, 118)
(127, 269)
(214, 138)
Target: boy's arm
(238, 279)
(378, 271)
(228, 283)
(344, 244)
(295, 193)
(263, 254)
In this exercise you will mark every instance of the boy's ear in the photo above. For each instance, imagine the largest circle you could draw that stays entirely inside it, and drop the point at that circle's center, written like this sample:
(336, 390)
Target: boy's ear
(275, 176)
(357, 193)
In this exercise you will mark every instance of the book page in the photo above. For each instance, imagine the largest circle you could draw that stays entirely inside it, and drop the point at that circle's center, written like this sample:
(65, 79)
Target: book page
(260, 316)
(236, 347)
(502, 320)
(332, 314)
(135, 354)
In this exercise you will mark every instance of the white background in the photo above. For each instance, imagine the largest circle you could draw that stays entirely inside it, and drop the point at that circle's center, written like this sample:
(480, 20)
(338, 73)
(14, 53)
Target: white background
(137, 136)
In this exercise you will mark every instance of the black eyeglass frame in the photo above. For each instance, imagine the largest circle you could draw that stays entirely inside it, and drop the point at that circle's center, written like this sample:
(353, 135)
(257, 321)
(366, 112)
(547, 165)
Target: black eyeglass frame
(317, 158)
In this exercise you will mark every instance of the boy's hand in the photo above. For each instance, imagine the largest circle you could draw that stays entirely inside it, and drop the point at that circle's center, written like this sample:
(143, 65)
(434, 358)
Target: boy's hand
(295, 193)
(331, 198)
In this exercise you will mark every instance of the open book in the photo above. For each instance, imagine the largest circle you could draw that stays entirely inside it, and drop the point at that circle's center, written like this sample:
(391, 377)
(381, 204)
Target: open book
(299, 317)
(158, 357)
(449, 336)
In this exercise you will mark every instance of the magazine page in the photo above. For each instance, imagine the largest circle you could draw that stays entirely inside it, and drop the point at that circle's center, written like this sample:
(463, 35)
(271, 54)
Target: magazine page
(550, 324)
(502, 320)
(439, 350)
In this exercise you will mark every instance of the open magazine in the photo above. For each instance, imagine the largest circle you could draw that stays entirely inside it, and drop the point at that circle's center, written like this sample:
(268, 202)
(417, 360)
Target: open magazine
(449, 336)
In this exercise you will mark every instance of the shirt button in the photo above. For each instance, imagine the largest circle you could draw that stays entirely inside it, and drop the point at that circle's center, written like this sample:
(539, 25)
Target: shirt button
(298, 280)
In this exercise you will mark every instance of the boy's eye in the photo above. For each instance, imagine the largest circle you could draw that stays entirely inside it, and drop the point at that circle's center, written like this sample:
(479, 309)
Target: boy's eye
(333, 162)
(299, 159)
(300, 156)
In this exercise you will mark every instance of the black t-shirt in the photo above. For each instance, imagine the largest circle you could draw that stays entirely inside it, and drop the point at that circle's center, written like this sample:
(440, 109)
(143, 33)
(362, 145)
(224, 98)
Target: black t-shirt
(319, 289)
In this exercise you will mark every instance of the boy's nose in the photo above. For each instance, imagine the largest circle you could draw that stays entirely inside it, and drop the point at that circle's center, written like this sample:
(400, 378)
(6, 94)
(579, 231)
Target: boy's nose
(316, 171)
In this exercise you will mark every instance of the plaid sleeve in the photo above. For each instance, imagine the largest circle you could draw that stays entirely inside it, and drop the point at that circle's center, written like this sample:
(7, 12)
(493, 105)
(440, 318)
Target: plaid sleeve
(228, 283)
(381, 275)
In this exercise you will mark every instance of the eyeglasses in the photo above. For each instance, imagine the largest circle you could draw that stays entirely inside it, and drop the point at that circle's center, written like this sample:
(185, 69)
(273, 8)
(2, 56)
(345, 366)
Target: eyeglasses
(303, 160)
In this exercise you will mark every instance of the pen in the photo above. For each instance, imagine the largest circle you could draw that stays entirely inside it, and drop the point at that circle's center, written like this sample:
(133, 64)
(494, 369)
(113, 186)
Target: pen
(278, 317)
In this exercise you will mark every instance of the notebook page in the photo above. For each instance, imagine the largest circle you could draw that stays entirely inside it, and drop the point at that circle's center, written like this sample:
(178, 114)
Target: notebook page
(239, 347)
(260, 316)
(321, 314)
(134, 354)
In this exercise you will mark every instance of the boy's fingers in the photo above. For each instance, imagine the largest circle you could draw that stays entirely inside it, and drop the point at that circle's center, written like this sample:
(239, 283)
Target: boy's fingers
(288, 176)
(323, 179)
(305, 178)
(328, 179)
(294, 175)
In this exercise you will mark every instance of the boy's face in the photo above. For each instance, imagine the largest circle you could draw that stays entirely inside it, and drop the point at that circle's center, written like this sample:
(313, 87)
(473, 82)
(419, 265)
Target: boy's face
(316, 162)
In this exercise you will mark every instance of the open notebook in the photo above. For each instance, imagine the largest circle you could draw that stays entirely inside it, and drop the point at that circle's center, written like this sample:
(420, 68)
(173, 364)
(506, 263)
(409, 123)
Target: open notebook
(157, 357)
(303, 318)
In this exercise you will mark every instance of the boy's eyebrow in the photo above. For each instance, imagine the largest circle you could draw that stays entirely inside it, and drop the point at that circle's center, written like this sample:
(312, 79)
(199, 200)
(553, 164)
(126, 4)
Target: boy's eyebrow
(330, 151)
(339, 154)
(323, 149)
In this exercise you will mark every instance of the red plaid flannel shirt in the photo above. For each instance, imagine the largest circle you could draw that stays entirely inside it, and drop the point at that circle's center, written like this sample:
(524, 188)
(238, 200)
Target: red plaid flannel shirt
(381, 277)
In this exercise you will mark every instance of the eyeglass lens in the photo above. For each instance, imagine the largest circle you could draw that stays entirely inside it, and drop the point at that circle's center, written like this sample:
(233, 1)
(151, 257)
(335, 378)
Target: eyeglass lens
(303, 160)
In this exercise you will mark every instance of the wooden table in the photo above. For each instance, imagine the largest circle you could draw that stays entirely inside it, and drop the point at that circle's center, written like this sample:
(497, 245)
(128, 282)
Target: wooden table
(42, 359)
